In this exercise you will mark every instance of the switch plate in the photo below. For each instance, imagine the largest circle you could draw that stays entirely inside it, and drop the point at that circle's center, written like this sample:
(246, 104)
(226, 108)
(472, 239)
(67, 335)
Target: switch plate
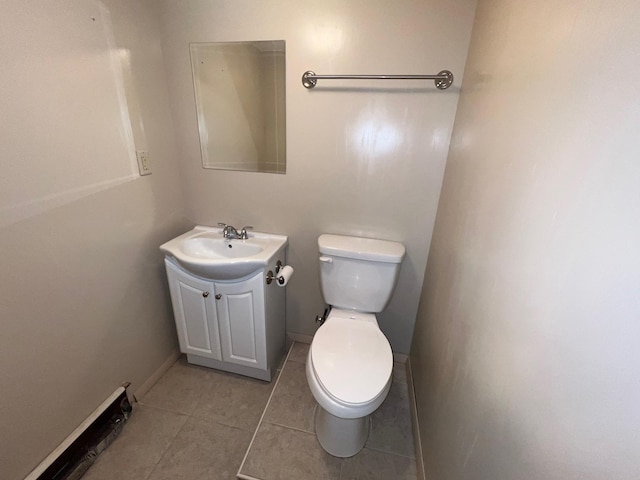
(143, 162)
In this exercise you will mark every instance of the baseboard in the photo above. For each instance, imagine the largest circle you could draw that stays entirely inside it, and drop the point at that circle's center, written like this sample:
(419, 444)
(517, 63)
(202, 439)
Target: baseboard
(414, 421)
(79, 450)
(155, 376)
(400, 357)
(299, 337)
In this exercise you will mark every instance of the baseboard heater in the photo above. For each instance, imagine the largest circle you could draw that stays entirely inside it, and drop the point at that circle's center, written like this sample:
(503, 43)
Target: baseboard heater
(73, 457)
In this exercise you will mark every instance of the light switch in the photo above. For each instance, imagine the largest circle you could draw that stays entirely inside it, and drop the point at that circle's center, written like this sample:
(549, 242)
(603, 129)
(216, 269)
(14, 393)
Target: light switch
(143, 162)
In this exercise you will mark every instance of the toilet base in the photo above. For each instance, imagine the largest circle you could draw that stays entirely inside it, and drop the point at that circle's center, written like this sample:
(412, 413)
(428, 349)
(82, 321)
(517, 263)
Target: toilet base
(341, 437)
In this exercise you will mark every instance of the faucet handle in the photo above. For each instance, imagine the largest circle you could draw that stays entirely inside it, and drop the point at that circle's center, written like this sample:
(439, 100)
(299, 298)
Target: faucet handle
(225, 229)
(243, 232)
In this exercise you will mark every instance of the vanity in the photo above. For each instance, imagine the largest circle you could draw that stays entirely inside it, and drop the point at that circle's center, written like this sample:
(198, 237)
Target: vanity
(228, 304)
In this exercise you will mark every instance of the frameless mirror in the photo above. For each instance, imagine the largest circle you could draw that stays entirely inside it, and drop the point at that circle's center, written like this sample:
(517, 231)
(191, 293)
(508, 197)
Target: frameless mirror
(240, 101)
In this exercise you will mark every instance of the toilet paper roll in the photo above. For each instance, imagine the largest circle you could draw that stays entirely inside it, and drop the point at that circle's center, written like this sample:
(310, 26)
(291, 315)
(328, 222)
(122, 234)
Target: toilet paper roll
(284, 275)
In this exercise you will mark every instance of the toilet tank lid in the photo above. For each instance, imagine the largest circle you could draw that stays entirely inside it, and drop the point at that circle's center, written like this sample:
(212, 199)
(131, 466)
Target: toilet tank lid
(361, 248)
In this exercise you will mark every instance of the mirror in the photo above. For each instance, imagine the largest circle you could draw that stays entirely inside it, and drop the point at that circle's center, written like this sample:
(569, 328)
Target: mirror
(240, 102)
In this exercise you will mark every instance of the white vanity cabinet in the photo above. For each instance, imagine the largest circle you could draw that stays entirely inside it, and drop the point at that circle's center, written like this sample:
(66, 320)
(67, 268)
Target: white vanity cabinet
(237, 325)
(194, 311)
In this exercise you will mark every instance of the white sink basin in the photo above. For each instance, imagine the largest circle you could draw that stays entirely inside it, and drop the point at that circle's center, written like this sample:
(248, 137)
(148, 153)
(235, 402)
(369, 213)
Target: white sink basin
(203, 247)
(205, 252)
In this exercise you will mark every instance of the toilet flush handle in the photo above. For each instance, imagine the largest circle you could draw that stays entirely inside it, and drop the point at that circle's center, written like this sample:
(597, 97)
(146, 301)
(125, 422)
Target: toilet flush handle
(326, 259)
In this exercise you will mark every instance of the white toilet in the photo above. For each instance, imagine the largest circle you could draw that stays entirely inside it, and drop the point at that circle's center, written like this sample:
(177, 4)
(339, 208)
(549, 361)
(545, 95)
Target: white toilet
(350, 362)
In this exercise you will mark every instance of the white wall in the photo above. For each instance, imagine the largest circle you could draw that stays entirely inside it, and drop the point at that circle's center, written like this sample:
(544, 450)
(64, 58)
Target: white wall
(362, 158)
(83, 302)
(526, 342)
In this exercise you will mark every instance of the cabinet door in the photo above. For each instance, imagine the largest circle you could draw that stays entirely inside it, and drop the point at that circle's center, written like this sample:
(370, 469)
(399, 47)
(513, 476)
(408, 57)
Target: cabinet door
(242, 322)
(195, 313)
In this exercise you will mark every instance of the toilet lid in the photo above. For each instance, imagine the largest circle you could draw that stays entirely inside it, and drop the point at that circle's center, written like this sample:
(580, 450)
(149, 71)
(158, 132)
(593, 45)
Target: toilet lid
(352, 359)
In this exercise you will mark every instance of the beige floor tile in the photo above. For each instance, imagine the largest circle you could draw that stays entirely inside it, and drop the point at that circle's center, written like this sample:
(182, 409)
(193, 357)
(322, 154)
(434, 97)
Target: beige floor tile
(292, 404)
(180, 388)
(399, 372)
(279, 453)
(234, 400)
(299, 352)
(137, 450)
(161, 443)
(203, 450)
(391, 430)
(374, 465)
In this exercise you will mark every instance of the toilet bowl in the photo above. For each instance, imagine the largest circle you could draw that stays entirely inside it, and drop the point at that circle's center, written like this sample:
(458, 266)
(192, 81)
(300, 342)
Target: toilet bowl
(349, 370)
(350, 362)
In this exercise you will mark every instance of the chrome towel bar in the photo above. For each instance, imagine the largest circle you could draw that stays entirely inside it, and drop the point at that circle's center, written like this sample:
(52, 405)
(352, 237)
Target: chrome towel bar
(442, 80)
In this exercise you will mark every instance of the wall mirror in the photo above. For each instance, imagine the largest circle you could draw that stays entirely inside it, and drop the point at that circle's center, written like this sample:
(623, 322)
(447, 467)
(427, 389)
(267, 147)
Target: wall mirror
(240, 102)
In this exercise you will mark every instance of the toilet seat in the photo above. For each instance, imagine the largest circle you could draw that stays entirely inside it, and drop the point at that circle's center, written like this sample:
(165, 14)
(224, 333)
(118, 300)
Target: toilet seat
(351, 358)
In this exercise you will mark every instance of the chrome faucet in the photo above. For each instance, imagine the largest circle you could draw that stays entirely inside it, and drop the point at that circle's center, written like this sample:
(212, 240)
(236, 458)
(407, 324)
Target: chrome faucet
(230, 232)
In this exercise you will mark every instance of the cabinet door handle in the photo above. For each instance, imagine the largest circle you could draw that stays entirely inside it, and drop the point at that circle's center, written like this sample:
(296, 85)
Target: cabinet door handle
(218, 296)
(205, 294)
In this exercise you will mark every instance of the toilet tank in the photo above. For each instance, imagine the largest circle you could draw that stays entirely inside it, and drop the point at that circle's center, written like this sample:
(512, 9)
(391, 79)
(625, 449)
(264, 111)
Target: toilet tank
(358, 273)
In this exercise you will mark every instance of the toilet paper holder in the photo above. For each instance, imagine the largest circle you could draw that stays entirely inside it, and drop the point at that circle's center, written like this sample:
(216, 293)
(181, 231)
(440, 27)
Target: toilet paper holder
(271, 277)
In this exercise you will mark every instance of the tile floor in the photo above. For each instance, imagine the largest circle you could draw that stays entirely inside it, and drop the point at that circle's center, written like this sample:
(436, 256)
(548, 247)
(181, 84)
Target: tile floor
(197, 424)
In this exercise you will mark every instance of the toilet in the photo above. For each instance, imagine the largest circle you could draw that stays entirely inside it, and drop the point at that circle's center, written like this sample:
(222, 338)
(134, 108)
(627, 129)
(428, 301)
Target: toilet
(350, 363)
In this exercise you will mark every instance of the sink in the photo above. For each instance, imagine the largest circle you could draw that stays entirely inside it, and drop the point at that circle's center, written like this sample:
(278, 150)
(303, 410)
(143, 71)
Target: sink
(215, 248)
(205, 252)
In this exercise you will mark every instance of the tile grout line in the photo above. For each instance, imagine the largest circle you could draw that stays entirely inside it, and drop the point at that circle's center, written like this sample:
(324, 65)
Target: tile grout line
(246, 454)
(389, 453)
(289, 428)
(164, 409)
(342, 462)
(164, 452)
(242, 476)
